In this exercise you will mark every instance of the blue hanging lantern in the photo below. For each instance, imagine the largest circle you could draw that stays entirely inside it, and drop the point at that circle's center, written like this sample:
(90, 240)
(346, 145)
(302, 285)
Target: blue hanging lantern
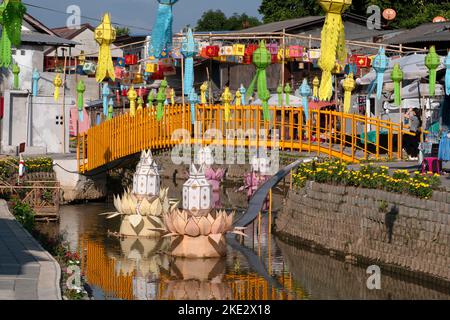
(243, 92)
(105, 94)
(305, 92)
(193, 100)
(189, 49)
(380, 64)
(36, 76)
(351, 68)
(162, 29)
(447, 74)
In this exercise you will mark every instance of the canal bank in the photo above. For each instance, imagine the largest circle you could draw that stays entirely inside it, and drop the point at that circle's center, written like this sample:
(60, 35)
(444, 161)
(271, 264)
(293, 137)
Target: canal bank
(402, 233)
(27, 271)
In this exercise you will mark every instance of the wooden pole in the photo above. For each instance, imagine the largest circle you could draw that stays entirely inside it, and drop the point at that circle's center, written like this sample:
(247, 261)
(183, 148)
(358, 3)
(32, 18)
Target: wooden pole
(182, 91)
(64, 120)
(283, 56)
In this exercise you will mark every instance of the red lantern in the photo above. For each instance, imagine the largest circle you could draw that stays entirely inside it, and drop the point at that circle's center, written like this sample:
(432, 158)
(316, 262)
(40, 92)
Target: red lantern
(389, 14)
(295, 51)
(248, 56)
(212, 51)
(274, 58)
(131, 59)
(158, 75)
(360, 61)
(439, 19)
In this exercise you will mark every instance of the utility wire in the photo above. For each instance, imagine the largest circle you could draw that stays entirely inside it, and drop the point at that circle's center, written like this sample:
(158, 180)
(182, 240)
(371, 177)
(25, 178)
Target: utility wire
(85, 17)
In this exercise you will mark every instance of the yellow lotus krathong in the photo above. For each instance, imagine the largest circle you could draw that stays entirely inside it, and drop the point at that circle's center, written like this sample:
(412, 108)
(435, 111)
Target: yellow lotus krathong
(105, 34)
(333, 43)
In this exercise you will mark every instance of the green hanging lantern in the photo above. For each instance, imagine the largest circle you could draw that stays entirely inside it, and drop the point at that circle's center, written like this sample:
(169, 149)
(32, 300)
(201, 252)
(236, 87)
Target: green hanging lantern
(280, 95)
(261, 59)
(432, 61)
(11, 16)
(16, 71)
(81, 88)
(110, 109)
(397, 77)
(160, 99)
(288, 91)
(150, 99)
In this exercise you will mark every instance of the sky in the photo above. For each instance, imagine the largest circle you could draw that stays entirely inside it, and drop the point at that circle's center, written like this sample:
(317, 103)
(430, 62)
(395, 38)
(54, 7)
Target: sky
(137, 13)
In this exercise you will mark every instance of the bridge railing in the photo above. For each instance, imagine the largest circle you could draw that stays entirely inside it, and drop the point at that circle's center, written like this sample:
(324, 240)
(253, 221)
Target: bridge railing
(348, 137)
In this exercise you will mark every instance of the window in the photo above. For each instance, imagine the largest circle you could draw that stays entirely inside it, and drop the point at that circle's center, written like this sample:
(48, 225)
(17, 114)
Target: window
(22, 52)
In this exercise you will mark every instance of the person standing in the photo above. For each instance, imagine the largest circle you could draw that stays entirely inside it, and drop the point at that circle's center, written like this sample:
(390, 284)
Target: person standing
(411, 142)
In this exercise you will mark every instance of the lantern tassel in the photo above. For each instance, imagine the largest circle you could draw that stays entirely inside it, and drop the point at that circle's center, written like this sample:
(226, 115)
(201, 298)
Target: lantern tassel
(397, 95)
(5, 51)
(105, 66)
(162, 30)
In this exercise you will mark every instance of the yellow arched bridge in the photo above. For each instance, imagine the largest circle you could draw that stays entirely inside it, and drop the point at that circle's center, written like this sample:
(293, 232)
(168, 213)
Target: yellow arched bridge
(348, 137)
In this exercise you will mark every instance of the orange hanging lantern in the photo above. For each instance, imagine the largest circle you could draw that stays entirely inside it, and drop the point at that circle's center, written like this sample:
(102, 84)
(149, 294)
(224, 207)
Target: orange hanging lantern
(389, 14)
(439, 19)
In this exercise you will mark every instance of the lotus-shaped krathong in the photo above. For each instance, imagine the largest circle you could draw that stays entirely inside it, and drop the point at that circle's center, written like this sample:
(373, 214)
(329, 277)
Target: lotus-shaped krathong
(199, 237)
(142, 216)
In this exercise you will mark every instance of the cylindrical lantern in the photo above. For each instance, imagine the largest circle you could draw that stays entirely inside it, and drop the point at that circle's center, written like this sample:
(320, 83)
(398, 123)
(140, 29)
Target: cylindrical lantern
(389, 14)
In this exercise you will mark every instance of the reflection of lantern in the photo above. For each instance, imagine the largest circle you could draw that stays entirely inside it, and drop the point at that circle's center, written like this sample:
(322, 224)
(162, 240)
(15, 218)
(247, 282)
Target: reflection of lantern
(439, 19)
(146, 179)
(197, 192)
(389, 14)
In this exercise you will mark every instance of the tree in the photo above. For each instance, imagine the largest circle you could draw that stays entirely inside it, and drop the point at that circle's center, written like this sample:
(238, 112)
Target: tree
(217, 21)
(122, 31)
(410, 13)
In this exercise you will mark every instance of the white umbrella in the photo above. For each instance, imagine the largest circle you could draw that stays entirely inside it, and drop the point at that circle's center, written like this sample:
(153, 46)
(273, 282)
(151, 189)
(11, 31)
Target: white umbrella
(413, 67)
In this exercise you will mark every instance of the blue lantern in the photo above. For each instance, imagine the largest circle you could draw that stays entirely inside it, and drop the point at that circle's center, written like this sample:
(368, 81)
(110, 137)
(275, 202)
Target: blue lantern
(305, 92)
(193, 100)
(447, 74)
(189, 49)
(380, 64)
(243, 92)
(36, 76)
(162, 29)
(105, 94)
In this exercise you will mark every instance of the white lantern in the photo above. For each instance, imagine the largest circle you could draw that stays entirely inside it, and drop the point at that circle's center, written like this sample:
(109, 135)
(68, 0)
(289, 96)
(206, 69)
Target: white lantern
(197, 191)
(146, 179)
(205, 157)
(261, 165)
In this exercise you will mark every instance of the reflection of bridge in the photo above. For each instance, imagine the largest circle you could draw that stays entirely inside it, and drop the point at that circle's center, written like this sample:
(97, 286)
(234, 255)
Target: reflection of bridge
(348, 137)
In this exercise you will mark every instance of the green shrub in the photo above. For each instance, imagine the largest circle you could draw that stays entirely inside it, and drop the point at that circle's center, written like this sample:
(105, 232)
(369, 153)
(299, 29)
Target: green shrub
(25, 215)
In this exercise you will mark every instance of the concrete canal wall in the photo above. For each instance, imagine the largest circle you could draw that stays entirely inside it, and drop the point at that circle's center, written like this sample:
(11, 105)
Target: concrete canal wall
(400, 232)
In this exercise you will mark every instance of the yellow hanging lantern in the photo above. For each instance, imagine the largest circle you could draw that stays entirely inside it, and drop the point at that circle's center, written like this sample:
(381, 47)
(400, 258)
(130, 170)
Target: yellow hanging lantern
(227, 97)
(105, 34)
(316, 84)
(349, 86)
(140, 102)
(238, 98)
(172, 96)
(203, 89)
(333, 43)
(238, 50)
(58, 84)
(132, 96)
(151, 67)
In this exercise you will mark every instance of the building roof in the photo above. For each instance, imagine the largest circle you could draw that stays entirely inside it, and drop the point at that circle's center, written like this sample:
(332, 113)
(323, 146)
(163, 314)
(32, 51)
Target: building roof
(70, 33)
(286, 24)
(428, 32)
(46, 39)
(36, 24)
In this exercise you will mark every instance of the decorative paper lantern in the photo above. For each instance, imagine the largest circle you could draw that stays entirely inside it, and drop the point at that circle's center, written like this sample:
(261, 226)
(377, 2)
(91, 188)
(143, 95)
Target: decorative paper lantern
(146, 179)
(447, 74)
(132, 96)
(274, 58)
(361, 61)
(380, 64)
(81, 88)
(226, 98)
(226, 51)
(212, 51)
(197, 192)
(238, 50)
(349, 85)
(432, 61)
(11, 16)
(193, 100)
(243, 91)
(36, 76)
(439, 19)
(261, 59)
(237, 100)
(273, 48)
(314, 54)
(351, 68)
(280, 95)
(397, 77)
(305, 92)
(249, 50)
(283, 53)
(106, 91)
(57, 82)
(389, 14)
(333, 43)
(295, 51)
(110, 109)
(316, 84)
(288, 91)
(118, 72)
(162, 29)
(89, 68)
(131, 59)
(203, 90)
(160, 99)
(121, 62)
(189, 49)
(105, 34)
(151, 67)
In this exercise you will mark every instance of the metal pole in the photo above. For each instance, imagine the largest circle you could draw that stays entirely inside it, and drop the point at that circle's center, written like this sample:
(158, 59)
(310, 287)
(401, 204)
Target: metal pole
(64, 101)
(283, 57)
(182, 90)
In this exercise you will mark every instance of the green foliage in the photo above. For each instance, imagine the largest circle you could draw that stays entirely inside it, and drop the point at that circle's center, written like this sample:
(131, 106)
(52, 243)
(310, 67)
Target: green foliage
(122, 31)
(25, 215)
(369, 177)
(9, 166)
(216, 20)
(410, 13)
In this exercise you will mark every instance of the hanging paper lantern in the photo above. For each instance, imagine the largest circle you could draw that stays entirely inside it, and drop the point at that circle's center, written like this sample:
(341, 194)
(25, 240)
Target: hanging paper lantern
(110, 109)
(351, 68)
(380, 64)
(36, 76)
(140, 103)
(242, 90)
(105, 94)
(162, 29)
(397, 77)
(150, 99)
(333, 43)
(237, 100)
(11, 17)
(193, 100)
(118, 73)
(439, 19)
(288, 91)
(283, 53)
(432, 61)
(160, 99)
(121, 62)
(118, 96)
(81, 88)
(226, 98)
(447, 74)
(249, 50)
(151, 67)
(105, 34)
(273, 48)
(131, 59)
(203, 89)
(238, 50)
(261, 59)
(189, 49)
(316, 84)
(57, 82)
(172, 96)
(349, 85)
(132, 96)
(295, 51)
(212, 51)
(389, 14)
(305, 92)
(16, 71)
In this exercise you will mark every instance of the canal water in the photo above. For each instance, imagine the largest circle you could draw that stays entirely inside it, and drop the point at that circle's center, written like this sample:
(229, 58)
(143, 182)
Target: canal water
(138, 269)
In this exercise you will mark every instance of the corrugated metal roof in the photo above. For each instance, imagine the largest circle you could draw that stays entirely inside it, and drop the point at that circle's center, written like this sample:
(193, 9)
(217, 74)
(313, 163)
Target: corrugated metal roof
(286, 24)
(427, 32)
(35, 37)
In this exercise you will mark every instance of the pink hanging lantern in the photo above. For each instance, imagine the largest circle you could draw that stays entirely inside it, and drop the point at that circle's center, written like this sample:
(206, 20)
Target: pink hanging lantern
(389, 14)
